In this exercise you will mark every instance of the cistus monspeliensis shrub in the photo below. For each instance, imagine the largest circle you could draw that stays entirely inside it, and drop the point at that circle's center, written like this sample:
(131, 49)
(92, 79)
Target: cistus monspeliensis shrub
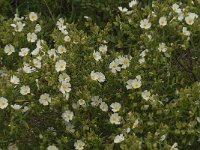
(131, 85)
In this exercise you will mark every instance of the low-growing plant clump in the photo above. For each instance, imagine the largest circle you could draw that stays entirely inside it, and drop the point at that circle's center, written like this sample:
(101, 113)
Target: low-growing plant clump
(131, 85)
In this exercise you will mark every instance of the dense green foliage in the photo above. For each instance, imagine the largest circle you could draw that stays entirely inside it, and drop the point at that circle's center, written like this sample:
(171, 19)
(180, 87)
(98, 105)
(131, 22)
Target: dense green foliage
(102, 78)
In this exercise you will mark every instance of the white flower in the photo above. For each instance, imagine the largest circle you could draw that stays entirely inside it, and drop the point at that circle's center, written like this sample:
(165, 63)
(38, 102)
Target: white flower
(14, 80)
(9, 49)
(133, 3)
(79, 145)
(67, 38)
(104, 106)
(190, 18)
(60, 65)
(52, 54)
(24, 52)
(65, 87)
(67, 115)
(16, 106)
(115, 118)
(45, 99)
(103, 48)
(174, 146)
(35, 51)
(26, 108)
(119, 138)
(146, 95)
(97, 56)
(115, 106)
(141, 60)
(33, 16)
(3, 102)
(61, 26)
(31, 37)
(18, 26)
(100, 77)
(17, 18)
(27, 68)
(81, 102)
(96, 100)
(61, 49)
(125, 62)
(134, 83)
(163, 137)
(162, 47)
(124, 10)
(180, 16)
(38, 28)
(186, 32)
(163, 21)
(52, 147)
(176, 8)
(145, 24)
(40, 44)
(24, 90)
(97, 76)
(37, 63)
(93, 75)
(114, 67)
(64, 77)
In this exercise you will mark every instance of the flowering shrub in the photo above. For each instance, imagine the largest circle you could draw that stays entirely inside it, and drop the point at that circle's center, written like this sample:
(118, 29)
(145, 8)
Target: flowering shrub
(133, 84)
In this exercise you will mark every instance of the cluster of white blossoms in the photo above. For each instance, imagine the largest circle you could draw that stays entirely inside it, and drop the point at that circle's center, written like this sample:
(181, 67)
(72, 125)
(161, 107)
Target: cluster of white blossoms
(61, 26)
(45, 99)
(97, 76)
(38, 48)
(97, 54)
(189, 19)
(115, 118)
(65, 86)
(121, 62)
(18, 25)
(67, 115)
(134, 83)
(131, 4)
